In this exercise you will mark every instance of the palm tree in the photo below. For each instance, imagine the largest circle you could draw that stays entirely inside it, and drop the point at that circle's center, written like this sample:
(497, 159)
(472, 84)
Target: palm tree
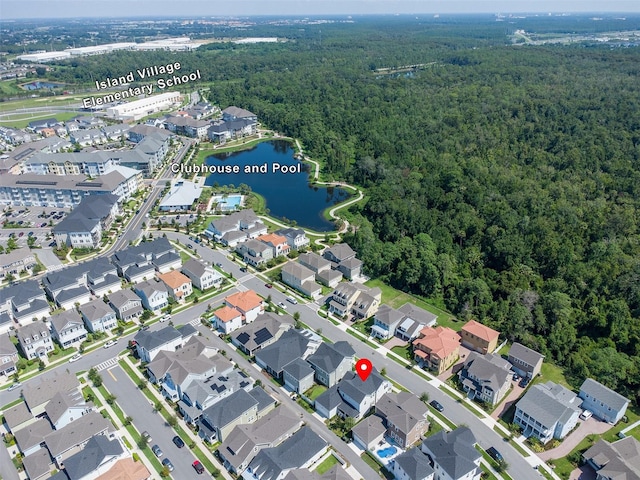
(424, 397)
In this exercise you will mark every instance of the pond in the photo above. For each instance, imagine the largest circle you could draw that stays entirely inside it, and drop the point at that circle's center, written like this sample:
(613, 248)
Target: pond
(288, 194)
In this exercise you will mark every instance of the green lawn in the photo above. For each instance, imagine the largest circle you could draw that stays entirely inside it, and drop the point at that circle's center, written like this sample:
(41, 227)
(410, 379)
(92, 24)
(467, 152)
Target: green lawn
(553, 373)
(326, 464)
(315, 391)
(404, 352)
(395, 298)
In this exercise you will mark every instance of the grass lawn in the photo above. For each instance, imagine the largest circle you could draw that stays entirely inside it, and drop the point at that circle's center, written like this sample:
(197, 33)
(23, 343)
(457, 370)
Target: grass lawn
(86, 391)
(364, 326)
(326, 464)
(395, 298)
(22, 120)
(404, 352)
(315, 391)
(553, 373)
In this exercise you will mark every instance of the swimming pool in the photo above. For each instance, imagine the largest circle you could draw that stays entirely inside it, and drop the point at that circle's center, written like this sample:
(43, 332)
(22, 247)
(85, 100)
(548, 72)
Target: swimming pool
(387, 452)
(228, 203)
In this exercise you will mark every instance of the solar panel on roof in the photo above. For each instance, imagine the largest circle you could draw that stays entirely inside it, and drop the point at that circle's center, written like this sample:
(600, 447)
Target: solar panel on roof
(243, 338)
(263, 335)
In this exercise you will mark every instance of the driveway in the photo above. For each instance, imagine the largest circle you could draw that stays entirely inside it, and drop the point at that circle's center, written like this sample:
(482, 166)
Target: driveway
(585, 472)
(510, 399)
(48, 258)
(592, 425)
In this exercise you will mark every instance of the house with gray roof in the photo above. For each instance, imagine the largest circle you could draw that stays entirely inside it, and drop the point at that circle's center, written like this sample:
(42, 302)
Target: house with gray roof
(414, 319)
(486, 378)
(17, 417)
(83, 227)
(604, 403)
(525, 361)
(262, 332)
(246, 222)
(369, 432)
(385, 322)
(38, 465)
(17, 261)
(413, 465)
(38, 392)
(331, 362)
(619, 460)
(65, 407)
(151, 343)
(314, 262)
(219, 420)
(96, 458)
(98, 316)
(301, 450)
(35, 340)
(126, 304)
(245, 441)
(254, 252)
(29, 438)
(153, 293)
(135, 263)
(6, 324)
(8, 355)
(301, 278)
(298, 376)
(354, 299)
(202, 276)
(289, 347)
(343, 258)
(547, 411)
(296, 237)
(453, 454)
(405, 417)
(68, 328)
(24, 301)
(69, 440)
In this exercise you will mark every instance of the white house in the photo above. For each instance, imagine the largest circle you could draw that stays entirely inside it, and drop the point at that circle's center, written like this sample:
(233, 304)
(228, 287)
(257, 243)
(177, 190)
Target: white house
(153, 293)
(202, 275)
(98, 316)
(68, 328)
(227, 319)
(248, 303)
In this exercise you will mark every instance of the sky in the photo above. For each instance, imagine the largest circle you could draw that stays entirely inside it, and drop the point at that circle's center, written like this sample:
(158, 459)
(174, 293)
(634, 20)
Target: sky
(154, 8)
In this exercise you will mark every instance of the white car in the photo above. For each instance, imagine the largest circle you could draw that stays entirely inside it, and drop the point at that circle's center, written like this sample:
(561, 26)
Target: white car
(282, 305)
(14, 386)
(164, 318)
(110, 343)
(75, 358)
(586, 415)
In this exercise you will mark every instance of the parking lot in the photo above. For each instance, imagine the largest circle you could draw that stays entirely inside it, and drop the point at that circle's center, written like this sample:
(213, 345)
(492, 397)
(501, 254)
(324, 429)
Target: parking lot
(25, 222)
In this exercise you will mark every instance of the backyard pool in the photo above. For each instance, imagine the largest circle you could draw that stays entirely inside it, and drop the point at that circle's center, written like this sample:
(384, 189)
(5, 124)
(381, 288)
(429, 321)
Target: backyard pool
(387, 452)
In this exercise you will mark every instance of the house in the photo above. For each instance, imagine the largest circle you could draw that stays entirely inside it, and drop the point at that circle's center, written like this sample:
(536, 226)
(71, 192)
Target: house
(37, 395)
(412, 465)
(479, 337)
(354, 299)
(98, 316)
(38, 465)
(227, 319)
(296, 237)
(17, 261)
(322, 269)
(151, 343)
(343, 258)
(245, 441)
(453, 455)
(369, 432)
(301, 450)
(486, 378)
(126, 469)
(24, 301)
(603, 402)
(413, 321)
(436, 348)
(525, 361)
(290, 346)
(84, 226)
(8, 355)
(29, 438)
(254, 252)
(298, 375)
(189, 127)
(132, 266)
(153, 293)
(126, 304)
(248, 303)
(615, 460)
(240, 407)
(69, 440)
(17, 417)
(245, 222)
(34, 340)
(547, 411)
(136, 263)
(385, 322)
(301, 278)
(6, 324)
(97, 457)
(405, 417)
(202, 275)
(68, 328)
(331, 362)
(264, 331)
(64, 407)
(277, 243)
(178, 285)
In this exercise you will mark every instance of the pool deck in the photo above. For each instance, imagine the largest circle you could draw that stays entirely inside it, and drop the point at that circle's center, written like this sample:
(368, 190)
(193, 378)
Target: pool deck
(381, 446)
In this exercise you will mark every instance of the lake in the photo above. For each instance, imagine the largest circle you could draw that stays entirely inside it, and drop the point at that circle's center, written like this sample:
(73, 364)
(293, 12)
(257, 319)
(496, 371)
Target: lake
(288, 195)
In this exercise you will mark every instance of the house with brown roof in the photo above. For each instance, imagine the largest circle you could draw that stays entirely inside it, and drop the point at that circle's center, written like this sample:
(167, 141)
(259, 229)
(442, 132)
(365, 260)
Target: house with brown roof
(479, 337)
(126, 469)
(178, 285)
(227, 319)
(436, 348)
(248, 303)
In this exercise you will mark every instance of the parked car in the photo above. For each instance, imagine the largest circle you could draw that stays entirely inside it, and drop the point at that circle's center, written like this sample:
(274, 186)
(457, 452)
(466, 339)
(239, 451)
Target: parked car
(110, 343)
(146, 435)
(282, 305)
(268, 285)
(243, 269)
(495, 454)
(75, 358)
(157, 451)
(586, 415)
(167, 463)
(292, 300)
(166, 317)
(219, 265)
(198, 467)
(178, 441)
(516, 377)
(14, 386)
(437, 405)
(524, 382)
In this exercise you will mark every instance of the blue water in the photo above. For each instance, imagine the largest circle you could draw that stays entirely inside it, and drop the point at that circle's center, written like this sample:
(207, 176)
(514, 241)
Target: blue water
(387, 452)
(233, 200)
(288, 195)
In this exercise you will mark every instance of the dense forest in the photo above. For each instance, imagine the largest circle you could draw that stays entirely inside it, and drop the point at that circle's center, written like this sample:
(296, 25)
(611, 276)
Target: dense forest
(502, 181)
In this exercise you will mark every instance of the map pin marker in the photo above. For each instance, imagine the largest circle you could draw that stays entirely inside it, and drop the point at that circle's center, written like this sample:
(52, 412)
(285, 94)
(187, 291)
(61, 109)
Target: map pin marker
(363, 368)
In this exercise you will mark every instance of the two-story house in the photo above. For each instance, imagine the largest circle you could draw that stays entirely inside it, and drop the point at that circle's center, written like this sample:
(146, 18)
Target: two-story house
(151, 343)
(35, 340)
(486, 378)
(68, 328)
(248, 303)
(385, 322)
(98, 316)
(277, 243)
(202, 275)
(292, 345)
(296, 237)
(24, 301)
(525, 361)
(453, 455)
(322, 269)
(254, 252)
(436, 348)
(331, 362)
(227, 319)
(178, 285)
(354, 299)
(479, 337)
(405, 417)
(603, 402)
(153, 293)
(127, 305)
(343, 258)
(300, 278)
(65, 407)
(8, 356)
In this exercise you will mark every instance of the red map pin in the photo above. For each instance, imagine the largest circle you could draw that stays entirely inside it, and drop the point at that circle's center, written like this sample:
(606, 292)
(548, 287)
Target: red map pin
(363, 368)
